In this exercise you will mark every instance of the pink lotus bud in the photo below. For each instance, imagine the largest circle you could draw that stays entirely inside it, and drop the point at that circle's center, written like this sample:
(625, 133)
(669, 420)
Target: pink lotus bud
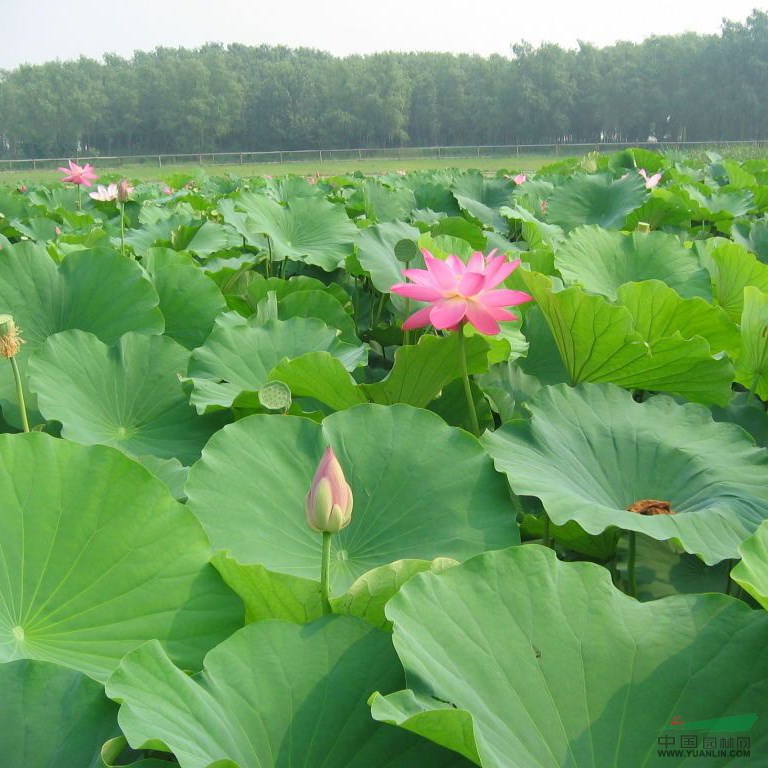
(124, 190)
(22, 188)
(328, 505)
(521, 178)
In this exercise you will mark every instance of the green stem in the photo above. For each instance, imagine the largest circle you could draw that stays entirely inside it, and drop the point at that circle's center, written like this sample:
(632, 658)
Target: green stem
(465, 377)
(325, 574)
(79, 197)
(20, 394)
(122, 229)
(631, 580)
(729, 565)
(407, 339)
(546, 538)
(379, 309)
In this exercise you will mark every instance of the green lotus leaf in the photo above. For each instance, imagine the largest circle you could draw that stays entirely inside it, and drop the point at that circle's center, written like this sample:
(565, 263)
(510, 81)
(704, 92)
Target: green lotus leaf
(274, 694)
(52, 717)
(661, 569)
(522, 661)
(96, 291)
(380, 203)
(602, 260)
(456, 226)
(376, 253)
(752, 572)
(97, 558)
(599, 341)
(239, 354)
(305, 229)
(204, 238)
(259, 287)
(719, 206)
(323, 306)
(409, 502)
(127, 395)
(189, 300)
(367, 597)
(419, 374)
(659, 313)
(590, 452)
(752, 364)
(595, 199)
(663, 208)
(733, 268)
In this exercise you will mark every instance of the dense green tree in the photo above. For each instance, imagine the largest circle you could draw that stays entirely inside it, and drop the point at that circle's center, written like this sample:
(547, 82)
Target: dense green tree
(241, 98)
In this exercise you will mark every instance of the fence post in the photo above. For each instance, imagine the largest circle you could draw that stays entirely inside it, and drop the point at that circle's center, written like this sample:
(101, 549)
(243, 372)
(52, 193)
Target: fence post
(321, 157)
(160, 161)
(281, 158)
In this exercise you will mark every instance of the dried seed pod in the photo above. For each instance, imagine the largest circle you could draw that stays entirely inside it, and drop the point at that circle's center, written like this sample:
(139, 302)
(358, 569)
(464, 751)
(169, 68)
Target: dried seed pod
(10, 341)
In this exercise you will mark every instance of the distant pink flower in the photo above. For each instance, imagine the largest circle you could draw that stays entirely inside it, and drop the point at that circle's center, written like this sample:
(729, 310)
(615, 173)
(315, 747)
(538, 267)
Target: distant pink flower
(104, 194)
(166, 190)
(79, 175)
(650, 182)
(461, 293)
(521, 178)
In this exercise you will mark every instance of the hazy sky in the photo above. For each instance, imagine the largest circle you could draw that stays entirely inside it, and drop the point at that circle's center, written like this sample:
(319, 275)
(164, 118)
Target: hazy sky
(34, 31)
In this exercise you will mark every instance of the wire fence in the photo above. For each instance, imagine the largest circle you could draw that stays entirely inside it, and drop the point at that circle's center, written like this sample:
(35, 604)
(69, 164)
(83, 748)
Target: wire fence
(361, 154)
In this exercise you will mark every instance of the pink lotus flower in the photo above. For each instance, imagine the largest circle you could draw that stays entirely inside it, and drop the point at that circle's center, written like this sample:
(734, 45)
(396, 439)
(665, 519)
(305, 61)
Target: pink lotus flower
(521, 178)
(650, 182)
(461, 293)
(328, 505)
(79, 175)
(124, 190)
(104, 194)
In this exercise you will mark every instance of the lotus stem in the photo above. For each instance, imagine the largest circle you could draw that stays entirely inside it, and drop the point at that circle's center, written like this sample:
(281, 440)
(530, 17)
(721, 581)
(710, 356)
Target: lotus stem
(467, 388)
(122, 229)
(730, 564)
(407, 333)
(79, 197)
(631, 579)
(753, 388)
(325, 574)
(20, 394)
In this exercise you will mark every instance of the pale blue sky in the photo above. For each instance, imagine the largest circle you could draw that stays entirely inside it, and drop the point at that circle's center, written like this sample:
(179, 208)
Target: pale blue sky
(41, 30)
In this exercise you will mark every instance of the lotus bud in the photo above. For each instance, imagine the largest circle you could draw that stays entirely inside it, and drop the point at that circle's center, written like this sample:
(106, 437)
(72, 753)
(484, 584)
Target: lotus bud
(328, 505)
(124, 190)
(10, 342)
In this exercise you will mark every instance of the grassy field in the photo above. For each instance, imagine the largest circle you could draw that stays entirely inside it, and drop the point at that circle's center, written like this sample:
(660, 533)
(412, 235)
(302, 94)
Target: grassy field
(147, 172)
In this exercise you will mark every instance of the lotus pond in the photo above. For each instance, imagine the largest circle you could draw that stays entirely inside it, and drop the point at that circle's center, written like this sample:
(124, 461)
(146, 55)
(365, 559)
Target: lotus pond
(427, 469)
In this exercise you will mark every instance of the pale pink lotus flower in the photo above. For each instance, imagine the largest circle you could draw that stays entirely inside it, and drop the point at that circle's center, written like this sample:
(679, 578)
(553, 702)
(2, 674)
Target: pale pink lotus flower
(79, 174)
(166, 190)
(650, 181)
(460, 293)
(328, 505)
(104, 194)
(521, 178)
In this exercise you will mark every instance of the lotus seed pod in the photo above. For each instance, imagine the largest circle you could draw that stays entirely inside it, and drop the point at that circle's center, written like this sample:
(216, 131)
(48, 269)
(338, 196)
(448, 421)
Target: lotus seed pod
(10, 342)
(328, 505)
(275, 396)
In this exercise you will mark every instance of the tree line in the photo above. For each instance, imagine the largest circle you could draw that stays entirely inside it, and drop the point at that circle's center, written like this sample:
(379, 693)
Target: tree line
(686, 87)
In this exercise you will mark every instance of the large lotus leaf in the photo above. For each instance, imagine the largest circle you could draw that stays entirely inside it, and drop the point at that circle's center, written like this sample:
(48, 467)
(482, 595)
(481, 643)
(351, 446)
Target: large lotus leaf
(239, 354)
(733, 268)
(128, 395)
(752, 572)
(189, 300)
(410, 501)
(96, 291)
(376, 253)
(720, 206)
(598, 341)
(589, 453)
(204, 238)
(305, 229)
(380, 203)
(752, 366)
(659, 312)
(259, 288)
(602, 260)
(323, 306)
(52, 717)
(97, 558)
(419, 374)
(595, 199)
(274, 694)
(521, 661)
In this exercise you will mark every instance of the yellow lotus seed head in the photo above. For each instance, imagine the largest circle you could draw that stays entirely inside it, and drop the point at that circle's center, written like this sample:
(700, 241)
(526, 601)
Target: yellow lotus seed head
(10, 342)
